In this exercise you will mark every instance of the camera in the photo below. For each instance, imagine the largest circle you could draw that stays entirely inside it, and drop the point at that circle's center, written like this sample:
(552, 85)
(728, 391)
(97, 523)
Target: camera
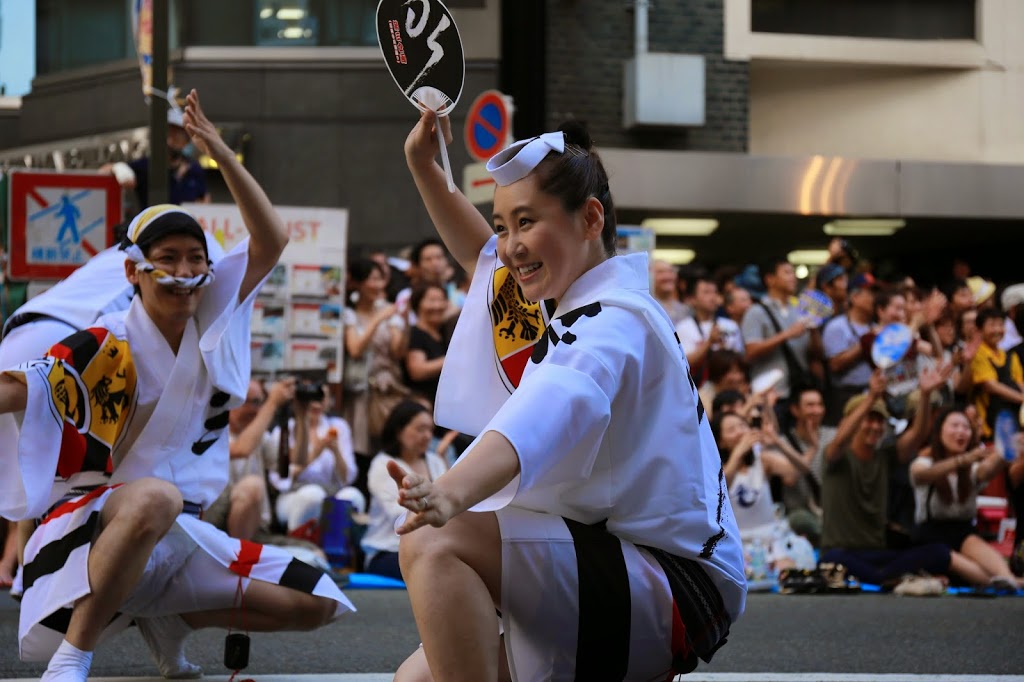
(307, 390)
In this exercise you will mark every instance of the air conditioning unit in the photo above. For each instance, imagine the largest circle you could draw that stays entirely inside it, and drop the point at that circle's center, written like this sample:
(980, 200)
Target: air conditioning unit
(663, 89)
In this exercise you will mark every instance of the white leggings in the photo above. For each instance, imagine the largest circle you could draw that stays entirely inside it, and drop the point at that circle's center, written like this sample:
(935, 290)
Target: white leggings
(297, 507)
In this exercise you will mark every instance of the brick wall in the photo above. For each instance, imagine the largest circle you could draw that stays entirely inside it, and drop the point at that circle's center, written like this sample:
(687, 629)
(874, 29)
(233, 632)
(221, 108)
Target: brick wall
(587, 43)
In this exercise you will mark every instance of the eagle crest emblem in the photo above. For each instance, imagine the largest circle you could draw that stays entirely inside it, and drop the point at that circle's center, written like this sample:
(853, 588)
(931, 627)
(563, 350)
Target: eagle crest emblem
(516, 324)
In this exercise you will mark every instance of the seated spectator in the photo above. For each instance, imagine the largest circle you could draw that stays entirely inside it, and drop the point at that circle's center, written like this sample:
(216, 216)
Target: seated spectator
(728, 402)
(855, 489)
(666, 290)
(405, 439)
(848, 358)
(243, 509)
(1012, 302)
(833, 281)
(809, 437)
(428, 264)
(727, 371)
(959, 354)
(427, 345)
(946, 481)
(375, 344)
(923, 311)
(960, 297)
(967, 325)
(901, 378)
(750, 457)
(736, 303)
(321, 464)
(775, 329)
(706, 332)
(982, 292)
(997, 375)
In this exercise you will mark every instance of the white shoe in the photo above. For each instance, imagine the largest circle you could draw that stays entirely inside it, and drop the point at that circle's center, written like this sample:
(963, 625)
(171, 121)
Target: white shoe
(165, 636)
(920, 586)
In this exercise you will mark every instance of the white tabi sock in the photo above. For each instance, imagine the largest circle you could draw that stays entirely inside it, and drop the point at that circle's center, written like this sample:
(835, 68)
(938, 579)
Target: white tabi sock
(69, 664)
(165, 636)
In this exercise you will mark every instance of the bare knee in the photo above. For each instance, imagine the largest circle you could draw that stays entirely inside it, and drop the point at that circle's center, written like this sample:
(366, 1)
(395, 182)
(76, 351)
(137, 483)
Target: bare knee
(414, 669)
(471, 539)
(314, 612)
(248, 492)
(149, 506)
(425, 544)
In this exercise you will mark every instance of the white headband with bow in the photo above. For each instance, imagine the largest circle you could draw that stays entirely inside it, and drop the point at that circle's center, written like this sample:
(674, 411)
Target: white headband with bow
(515, 163)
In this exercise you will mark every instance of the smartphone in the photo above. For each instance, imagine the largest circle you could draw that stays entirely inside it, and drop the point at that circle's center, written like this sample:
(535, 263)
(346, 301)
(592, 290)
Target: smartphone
(755, 420)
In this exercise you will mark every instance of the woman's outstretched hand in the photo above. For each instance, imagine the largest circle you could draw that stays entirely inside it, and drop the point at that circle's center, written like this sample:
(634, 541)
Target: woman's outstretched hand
(427, 504)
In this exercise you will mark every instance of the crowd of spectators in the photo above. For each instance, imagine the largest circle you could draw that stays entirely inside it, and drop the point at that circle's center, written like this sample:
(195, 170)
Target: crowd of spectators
(877, 464)
(826, 454)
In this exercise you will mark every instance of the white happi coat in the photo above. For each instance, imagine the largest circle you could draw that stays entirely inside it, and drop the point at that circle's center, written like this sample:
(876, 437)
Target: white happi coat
(176, 430)
(605, 421)
(172, 415)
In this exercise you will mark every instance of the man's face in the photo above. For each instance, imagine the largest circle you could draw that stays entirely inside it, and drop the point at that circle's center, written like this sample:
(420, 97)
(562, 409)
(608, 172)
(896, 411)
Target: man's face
(992, 331)
(962, 299)
(705, 297)
(666, 278)
(783, 279)
(433, 265)
(872, 429)
(739, 303)
(863, 301)
(178, 255)
(810, 408)
(837, 288)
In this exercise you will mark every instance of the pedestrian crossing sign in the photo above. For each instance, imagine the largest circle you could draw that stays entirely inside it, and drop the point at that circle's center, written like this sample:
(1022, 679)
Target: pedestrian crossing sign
(58, 221)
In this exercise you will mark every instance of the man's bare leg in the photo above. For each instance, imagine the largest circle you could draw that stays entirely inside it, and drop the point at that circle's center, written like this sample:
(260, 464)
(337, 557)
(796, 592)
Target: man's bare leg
(268, 608)
(133, 519)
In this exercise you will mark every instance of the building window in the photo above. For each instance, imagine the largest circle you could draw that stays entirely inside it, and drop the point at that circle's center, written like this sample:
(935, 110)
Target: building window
(894, 19)
(281, 23)
(76, 33)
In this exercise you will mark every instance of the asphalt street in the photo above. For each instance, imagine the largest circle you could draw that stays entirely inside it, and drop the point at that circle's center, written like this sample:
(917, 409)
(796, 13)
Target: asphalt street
(865, 634)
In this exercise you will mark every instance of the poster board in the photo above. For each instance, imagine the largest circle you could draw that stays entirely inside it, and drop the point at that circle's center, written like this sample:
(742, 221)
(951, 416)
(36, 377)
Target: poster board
(296, 322)
(637, 239)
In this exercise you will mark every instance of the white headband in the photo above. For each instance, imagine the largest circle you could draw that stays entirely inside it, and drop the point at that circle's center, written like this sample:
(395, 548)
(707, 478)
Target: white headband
(155, 218)
(519, 159)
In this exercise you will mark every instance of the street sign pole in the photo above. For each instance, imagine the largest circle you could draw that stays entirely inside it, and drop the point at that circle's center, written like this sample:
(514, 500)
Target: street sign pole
(158, 185)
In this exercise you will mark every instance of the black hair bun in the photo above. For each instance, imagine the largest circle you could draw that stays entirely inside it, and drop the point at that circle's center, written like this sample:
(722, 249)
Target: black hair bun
(576, 133)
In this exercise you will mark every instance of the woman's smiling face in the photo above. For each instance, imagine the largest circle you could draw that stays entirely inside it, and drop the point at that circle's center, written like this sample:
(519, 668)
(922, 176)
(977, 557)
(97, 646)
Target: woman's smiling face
(956, 433)
(545, 247)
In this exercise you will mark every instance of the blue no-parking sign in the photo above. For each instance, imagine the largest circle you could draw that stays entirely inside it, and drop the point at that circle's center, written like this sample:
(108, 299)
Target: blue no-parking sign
(487, 125)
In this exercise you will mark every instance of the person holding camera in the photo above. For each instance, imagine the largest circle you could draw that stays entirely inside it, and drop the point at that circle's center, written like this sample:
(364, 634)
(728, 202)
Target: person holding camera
(243, 509)
(752, 454)
(321, 461)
